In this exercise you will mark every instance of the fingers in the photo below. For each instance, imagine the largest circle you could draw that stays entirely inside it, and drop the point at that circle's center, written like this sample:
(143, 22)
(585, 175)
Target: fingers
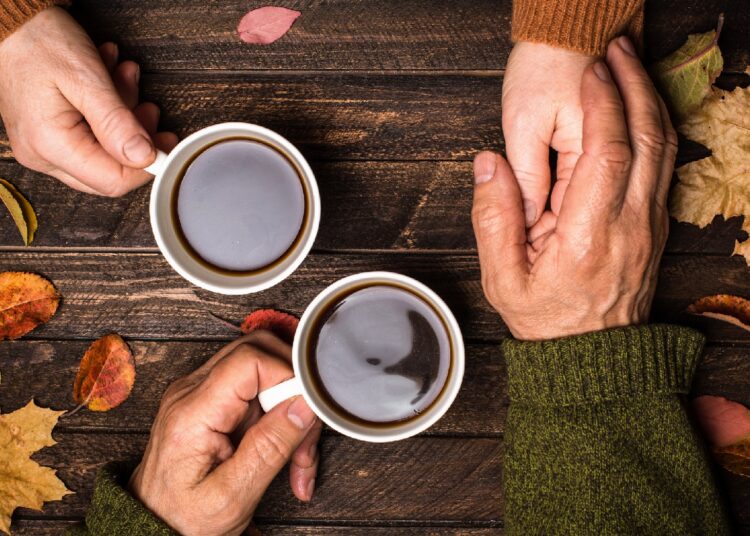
(643, 117)
(265, 449)
(109, 53)
(110, 119)
(304, 465)
(499, 223)
(220, 401)
(126, 77)
(600, 180)
(528, 155)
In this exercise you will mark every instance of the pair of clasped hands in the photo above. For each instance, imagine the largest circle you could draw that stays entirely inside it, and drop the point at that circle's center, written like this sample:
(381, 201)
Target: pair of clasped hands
(559, 260)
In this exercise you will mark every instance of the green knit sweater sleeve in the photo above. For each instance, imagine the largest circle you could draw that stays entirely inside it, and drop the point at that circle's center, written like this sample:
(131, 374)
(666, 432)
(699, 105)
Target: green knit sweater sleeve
(114, 512)
(597, 438)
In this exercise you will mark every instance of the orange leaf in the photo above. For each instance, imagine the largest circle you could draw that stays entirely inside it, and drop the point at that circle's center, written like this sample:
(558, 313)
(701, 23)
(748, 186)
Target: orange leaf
(106, 374)
(26, 300)
(283, 325)
(735, 458)
(724, 307)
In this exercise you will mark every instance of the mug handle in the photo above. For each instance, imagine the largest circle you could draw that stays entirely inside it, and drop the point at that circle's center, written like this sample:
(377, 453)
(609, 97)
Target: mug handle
(272, 397)
(158, 165)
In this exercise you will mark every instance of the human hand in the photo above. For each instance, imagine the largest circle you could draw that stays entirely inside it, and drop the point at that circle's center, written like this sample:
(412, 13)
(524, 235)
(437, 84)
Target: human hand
(542, 109)
(596, 268)
(72, 112)
(212, 453)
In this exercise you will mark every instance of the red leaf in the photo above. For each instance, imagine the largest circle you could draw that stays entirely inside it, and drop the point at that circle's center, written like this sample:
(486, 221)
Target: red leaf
(724, 307)
(106, 374)
(266, 24)
(283, 325)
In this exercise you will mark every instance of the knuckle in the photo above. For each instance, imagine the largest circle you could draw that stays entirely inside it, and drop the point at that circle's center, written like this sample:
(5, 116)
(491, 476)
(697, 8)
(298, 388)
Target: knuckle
(272, 447)
(615, 157)
(650, 140)
(486, 216)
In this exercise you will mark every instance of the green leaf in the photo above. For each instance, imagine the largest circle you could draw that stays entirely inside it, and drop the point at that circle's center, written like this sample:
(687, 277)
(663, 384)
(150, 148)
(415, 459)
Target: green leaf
(686, 75)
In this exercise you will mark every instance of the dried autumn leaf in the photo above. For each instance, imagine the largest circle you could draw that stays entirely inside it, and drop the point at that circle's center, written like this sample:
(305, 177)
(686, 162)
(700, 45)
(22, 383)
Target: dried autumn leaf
(685, 76)
(20, 210)
(283, 325)
(23, 482)
(726, 307)
(26, 300)
(266, 24)
(726, 425)
(106, 374)
(719, 184)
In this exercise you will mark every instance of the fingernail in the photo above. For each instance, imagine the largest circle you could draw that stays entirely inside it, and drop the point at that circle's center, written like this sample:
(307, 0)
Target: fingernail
(310, 489)
(137, 149)
(627, 45)
(529, 209)
(137, 75)
(486, 172)
(300, 414)
(602, 72)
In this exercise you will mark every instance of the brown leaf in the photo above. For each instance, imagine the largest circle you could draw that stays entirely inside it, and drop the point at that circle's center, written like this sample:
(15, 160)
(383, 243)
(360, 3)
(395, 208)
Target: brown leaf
(23, 482)
(20, 210)
(735, 458)
(266, 24)
(106, 374)
(26, 300)
(724, 307)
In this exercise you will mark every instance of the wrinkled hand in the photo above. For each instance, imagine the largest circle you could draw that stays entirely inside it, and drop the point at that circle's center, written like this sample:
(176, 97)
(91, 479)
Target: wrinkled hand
(542, 109)
(212, 452)
(72, 112)
(597, 266)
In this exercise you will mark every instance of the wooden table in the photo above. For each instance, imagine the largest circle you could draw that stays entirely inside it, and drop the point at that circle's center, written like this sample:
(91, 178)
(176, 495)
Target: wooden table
(389, 100)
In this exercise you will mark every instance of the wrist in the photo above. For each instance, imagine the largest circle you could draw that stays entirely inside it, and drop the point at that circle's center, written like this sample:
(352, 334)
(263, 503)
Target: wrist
(13, 15)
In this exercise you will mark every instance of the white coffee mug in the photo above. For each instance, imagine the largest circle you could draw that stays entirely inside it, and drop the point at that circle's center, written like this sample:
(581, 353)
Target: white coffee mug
(167, 169)
(302, 383)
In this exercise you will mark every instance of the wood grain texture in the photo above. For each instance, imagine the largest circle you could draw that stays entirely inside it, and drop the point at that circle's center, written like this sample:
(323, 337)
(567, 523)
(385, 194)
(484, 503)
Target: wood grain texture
(410, 205)
(139, 296)
(47, 369)
(421, 479)
(372, 34)
(39, 527)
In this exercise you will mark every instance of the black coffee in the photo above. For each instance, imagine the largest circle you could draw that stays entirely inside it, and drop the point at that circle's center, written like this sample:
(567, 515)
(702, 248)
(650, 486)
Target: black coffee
(240, 205)
(380, 354)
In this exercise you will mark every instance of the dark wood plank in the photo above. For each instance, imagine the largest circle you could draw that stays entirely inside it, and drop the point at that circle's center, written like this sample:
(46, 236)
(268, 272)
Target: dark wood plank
(412, 205)
(373, 34)
(139, 296)
(46, 371)
(421, 479)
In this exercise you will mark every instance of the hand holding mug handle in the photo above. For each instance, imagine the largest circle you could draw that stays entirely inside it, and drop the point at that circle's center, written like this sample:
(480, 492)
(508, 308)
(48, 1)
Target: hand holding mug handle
(157, 166)
(273, 396)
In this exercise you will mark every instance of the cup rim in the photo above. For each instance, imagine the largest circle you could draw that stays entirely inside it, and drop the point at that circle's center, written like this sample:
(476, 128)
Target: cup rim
(296, 257)
(453, 382)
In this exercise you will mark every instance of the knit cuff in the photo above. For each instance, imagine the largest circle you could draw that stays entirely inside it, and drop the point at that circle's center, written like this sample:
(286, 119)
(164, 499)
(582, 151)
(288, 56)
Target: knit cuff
(13, 13)
(115, 511)
(603, 365)
(583, 25)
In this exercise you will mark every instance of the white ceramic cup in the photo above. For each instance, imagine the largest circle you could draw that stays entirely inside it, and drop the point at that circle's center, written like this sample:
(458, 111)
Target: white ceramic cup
(167, 169)
(302, 383)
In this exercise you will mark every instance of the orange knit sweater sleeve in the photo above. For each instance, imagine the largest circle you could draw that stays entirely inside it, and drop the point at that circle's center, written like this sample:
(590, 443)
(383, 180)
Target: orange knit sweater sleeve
(13, 13)
(583, 25)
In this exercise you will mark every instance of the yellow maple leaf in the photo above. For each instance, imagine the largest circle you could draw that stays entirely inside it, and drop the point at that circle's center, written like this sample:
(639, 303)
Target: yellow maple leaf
(719, 184)
(23, 482)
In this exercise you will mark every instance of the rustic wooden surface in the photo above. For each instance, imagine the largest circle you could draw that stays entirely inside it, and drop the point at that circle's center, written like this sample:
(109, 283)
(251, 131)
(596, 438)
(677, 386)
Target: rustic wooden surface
(389, 100)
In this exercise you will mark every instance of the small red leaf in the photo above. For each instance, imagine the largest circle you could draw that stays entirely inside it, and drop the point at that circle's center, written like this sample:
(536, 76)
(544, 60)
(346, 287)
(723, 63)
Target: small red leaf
(266, 24)
(724, 307)
(283, 325)
(106, 374)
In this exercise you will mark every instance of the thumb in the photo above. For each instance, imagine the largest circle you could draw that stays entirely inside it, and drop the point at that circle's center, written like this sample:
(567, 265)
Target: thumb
(528, 155)
(113, 123)
(266, 448)
(498, 220)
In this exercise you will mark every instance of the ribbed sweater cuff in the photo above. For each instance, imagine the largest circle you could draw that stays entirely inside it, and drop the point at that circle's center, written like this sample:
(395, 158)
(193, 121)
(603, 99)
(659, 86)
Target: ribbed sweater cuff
(13, 13)
(603, 365)
(583, 25)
